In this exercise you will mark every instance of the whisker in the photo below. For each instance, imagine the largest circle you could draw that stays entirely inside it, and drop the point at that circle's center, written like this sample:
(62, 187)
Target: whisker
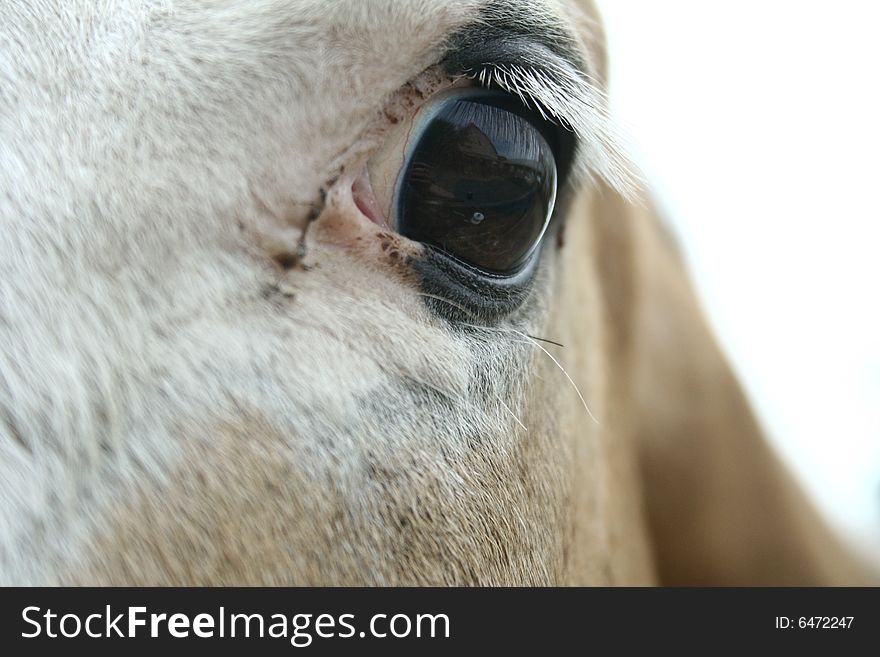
(558, 344)
(570, 380)
(512, 414)
(530, 340)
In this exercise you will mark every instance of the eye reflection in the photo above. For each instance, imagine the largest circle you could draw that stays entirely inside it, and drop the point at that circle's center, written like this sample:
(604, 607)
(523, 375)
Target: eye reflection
(480, 184)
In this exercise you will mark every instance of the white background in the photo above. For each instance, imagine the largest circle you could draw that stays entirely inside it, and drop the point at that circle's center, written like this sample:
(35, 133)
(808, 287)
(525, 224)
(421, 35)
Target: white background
(758, 123)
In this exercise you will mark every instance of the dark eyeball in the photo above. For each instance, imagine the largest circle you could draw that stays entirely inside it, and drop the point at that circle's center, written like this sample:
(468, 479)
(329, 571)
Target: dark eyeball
(479, 182)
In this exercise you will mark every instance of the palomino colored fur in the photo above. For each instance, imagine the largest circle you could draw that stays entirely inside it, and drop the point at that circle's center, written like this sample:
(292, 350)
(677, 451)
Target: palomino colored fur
(192, 391)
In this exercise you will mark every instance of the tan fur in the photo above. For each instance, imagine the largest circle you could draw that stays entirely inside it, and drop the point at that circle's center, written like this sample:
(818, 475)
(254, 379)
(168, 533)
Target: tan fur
(206, 416)
(722, 508)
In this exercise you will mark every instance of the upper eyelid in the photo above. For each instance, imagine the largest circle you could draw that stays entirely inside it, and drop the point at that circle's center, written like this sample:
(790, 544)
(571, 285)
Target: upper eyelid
(553, 81)
(536, 60)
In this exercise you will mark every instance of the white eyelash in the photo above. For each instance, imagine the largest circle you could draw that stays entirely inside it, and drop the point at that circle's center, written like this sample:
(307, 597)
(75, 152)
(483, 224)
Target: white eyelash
(576, 104)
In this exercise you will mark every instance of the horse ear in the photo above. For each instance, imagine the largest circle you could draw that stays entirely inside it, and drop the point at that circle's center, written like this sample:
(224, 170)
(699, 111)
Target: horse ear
(721, 507)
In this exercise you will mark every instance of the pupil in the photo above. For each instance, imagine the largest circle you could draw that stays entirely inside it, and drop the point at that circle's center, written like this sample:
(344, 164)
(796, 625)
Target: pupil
(480, 185)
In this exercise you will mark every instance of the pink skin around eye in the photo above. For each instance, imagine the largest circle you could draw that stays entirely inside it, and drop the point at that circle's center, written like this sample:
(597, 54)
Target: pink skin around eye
(365, 199)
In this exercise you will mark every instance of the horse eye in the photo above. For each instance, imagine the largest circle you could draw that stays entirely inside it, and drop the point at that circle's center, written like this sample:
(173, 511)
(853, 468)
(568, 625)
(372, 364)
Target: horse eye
(478, 182)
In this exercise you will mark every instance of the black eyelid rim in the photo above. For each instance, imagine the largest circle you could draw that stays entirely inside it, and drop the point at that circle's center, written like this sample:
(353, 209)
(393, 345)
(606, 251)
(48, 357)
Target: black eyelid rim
(462, 292)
